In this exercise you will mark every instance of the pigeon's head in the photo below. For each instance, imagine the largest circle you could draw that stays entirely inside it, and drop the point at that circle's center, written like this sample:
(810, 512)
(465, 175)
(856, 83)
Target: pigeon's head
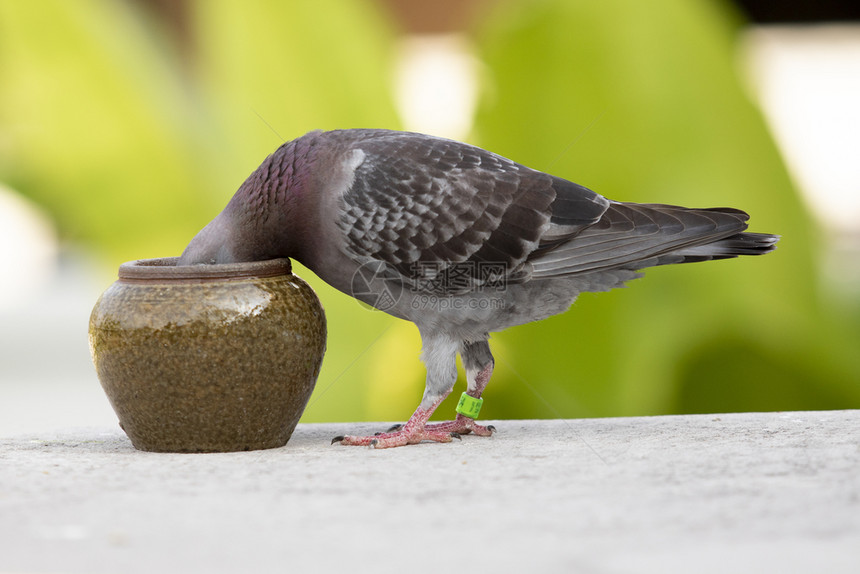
(242, 233)
(214, 243)
(266, 217)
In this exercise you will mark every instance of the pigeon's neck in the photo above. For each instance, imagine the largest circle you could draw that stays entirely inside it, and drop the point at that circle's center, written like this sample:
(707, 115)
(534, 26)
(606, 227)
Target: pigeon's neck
(271, 205)
(280, 180)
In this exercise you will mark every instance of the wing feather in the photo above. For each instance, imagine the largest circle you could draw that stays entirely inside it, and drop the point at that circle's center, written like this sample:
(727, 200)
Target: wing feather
(431, 207)
(452, 207)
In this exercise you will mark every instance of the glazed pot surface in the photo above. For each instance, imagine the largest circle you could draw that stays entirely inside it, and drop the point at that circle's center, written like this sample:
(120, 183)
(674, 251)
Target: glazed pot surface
(210, 357)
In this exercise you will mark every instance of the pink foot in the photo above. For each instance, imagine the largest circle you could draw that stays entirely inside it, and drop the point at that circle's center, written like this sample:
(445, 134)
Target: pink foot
(460, 425)
(398, 438)
(413, 432)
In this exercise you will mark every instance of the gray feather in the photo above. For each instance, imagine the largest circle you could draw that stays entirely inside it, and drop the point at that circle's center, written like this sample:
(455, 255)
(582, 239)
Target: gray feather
(454, 206)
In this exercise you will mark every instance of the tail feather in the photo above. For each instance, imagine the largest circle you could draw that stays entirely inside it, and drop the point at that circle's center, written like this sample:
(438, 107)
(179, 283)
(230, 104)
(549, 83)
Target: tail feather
(740, 244)
(634, 236)
(728, 248)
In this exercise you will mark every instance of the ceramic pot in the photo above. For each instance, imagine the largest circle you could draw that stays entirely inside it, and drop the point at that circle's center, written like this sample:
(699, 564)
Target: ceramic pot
(207, 358)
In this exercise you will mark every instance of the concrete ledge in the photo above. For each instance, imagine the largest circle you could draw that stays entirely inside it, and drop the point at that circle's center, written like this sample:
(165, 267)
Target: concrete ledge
(774, 492)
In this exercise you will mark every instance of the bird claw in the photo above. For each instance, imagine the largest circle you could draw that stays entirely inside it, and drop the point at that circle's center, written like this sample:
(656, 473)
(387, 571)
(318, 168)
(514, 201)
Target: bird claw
(462, 425)
(418, 430)
(400, 435)
(398, 438)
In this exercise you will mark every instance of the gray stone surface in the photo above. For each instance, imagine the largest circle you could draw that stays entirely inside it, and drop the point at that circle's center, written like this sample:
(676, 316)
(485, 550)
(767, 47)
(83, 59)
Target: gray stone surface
(774, 492)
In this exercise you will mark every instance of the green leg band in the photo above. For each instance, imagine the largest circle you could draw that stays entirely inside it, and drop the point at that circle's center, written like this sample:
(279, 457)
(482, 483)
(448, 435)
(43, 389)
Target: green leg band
(469, 406)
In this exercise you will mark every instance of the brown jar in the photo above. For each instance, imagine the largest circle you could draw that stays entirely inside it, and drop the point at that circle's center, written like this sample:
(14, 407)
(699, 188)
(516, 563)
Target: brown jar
(207, 358)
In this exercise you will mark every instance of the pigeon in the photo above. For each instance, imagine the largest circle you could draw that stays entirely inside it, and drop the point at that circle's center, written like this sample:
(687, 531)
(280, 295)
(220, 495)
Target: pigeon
(459, 240)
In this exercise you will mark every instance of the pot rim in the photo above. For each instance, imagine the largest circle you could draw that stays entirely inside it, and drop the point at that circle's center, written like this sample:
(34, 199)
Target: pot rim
(165, 269)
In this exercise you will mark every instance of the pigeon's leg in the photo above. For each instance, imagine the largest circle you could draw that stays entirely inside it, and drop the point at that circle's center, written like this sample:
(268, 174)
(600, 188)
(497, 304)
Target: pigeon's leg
(439, 355)
(478, 362)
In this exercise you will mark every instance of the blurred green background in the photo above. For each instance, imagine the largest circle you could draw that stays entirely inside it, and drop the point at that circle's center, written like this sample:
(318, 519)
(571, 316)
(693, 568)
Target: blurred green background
(132, 123)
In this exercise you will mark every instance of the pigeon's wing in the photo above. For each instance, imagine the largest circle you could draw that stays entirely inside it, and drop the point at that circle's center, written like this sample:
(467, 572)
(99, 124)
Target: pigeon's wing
(634, 236)
(451, 216)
